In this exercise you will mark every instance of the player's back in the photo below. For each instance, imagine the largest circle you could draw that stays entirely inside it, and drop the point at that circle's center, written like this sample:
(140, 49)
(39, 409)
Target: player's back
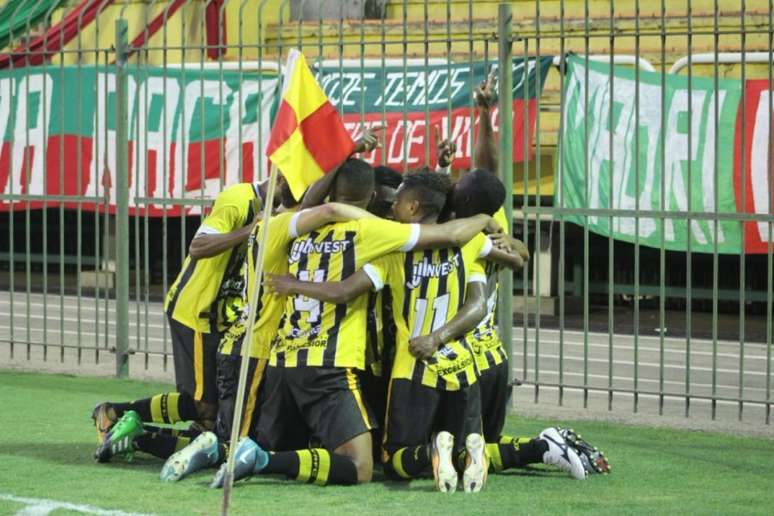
(428, 289)
(206, 290)
(314, 333)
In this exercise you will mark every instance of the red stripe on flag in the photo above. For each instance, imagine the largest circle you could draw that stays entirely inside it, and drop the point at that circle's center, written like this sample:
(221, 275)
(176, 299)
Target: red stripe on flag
(284, 124)
(325, 137)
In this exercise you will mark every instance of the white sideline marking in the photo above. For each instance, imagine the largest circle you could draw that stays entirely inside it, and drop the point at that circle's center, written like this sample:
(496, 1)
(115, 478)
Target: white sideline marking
(43, 507)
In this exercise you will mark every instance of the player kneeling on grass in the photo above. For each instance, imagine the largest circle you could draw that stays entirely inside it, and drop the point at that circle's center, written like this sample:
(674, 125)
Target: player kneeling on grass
(433, 386)
(202, 303)
(311, 385)
(208, 450)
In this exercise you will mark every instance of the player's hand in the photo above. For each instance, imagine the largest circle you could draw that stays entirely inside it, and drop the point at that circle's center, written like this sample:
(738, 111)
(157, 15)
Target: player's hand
(502, 241)
(485, 93)
(446, 151)
(492, 227)
(281, 284)
(423, 347)
(369, 141)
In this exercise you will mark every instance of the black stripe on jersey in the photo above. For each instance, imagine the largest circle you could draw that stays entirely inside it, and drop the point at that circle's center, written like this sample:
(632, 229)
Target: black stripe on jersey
(502, 353)
(440, 383)
(461, 279)
(302, 356)
(347, 270)
(280, 358)
(302, 262)
(490, 361)
(469, 348)
(184, 279)
(419, 371)
(408, 272)
(389, 330)
(427, 257)
(443, 280)
(462, 379)
(371, 323)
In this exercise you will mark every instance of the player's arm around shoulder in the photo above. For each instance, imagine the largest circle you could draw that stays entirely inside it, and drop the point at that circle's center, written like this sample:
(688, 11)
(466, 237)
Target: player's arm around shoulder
(233, 217)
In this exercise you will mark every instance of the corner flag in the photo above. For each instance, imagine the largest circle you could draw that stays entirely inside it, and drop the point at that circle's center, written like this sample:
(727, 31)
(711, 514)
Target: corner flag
(308, 138)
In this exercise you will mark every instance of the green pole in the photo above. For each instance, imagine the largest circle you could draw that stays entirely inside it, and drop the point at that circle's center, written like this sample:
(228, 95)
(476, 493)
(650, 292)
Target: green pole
(505, 80)
(122, 203)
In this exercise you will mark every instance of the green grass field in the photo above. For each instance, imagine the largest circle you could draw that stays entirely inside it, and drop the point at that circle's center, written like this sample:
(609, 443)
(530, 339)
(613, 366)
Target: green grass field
(47, 443)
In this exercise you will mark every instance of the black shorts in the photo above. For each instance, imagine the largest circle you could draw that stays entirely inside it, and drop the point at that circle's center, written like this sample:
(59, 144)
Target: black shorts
(415, 412)
(320, 404)
(494, 400)
(228, 383)
(194, 353)
(375, 392)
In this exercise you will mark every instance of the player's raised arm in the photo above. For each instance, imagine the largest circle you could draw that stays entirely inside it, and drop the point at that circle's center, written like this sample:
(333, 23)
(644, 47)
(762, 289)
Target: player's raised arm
(485, 148)
(464, 321)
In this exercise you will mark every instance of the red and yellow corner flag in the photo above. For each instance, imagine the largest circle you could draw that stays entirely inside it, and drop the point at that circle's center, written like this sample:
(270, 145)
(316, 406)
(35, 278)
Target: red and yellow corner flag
(308, 138)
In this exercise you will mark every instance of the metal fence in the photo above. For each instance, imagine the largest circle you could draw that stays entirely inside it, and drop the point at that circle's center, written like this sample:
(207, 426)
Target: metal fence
(641, 172)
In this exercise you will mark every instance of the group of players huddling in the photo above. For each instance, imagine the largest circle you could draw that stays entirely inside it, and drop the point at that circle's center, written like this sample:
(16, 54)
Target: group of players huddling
(374, 339)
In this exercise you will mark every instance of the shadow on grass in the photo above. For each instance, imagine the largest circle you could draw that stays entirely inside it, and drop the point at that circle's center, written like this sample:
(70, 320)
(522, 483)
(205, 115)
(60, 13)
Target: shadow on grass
(76, 454)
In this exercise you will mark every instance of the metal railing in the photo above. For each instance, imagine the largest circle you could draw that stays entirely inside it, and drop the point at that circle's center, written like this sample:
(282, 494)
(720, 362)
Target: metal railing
(121, 121)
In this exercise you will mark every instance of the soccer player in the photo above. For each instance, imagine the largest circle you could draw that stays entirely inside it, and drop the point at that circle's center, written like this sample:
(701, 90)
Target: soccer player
(311, 385)
(472, 195)
(208, 449)
(421, 391)
(202, 303)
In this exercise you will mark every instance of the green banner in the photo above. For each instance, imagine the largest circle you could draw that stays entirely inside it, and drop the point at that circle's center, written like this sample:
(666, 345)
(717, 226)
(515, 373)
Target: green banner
(601, 165)
(190, 132)
(416, 101)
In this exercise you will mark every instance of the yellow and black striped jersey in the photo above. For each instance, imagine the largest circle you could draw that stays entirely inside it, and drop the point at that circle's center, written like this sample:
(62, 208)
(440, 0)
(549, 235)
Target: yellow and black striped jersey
(207, 294)
(484, 339)
(269, 305)
(313, 333)
(428, 288)
(381, 333)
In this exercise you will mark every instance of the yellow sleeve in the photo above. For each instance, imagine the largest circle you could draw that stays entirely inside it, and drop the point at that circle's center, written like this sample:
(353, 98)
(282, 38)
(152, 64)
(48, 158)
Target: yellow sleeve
(382, 270)
(379, 237)
(478, 247)
(499, 217)
(477, 273)
(277, 239)
(228, 213)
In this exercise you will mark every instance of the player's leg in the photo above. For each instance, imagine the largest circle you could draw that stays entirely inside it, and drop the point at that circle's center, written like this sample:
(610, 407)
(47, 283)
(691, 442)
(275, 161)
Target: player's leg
(460, 415)
(407, 450)
(195, 361)
(210, 449)
(196, 396)
(493, 385)
(280, 428)
(334, 408)
(374, 390)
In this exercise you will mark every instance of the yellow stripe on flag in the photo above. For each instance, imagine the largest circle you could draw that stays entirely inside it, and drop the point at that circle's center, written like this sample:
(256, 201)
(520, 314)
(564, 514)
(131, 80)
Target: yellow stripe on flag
(302, 91)
(294, 156)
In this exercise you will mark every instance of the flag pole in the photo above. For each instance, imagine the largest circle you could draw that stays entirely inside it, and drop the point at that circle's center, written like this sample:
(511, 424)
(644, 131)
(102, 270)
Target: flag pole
(228, 480)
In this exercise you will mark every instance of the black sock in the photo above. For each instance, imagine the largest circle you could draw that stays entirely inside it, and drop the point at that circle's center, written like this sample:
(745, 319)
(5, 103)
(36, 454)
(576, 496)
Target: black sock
(315, 466)
(160, 445)
(515, 453)
(408, 463)
(161, 408)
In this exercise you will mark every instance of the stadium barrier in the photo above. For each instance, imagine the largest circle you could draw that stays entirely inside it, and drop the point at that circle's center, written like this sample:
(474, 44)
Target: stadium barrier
(641, 172)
